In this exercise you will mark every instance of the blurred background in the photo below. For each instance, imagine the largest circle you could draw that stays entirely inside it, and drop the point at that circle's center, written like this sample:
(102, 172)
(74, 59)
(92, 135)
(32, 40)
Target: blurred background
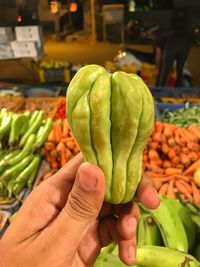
(159, 39)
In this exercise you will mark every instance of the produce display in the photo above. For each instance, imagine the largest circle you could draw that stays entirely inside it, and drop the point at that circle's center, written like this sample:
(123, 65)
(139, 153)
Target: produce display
(184, 117)
(21, 135)
(60, 147)
(172, 158)
(167, 236)
(111, 118)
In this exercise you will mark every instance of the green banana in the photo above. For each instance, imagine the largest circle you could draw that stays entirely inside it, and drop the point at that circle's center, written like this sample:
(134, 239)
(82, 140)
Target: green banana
(19, 122)
(109, 260)
(183, 213)
(154, 256)
(197, 252)
(171, 227)
(148, 233)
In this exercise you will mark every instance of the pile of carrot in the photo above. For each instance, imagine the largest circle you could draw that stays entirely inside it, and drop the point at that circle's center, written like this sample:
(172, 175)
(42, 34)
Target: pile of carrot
(176, 185)
(170, 159)
(60, 146)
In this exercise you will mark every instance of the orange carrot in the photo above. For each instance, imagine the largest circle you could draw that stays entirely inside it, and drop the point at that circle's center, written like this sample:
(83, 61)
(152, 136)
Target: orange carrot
(183, 177)
(171, 142)
(187, 185)
(65, 130)
(61, 146)
(195, 130)
(185, 150)
(192, 167)
(51, 137)
(170, 171)
(196, 194)
(156, 136)
(171, 153)
(154, 145)
(168, 130)
(71, 144)
(68, 154)
(182, 189)
(76, 150)
(163, 189)
(155, 168)
(165, 148)
(153, 154)
(58, 132)
(183, 135)
(49, 146)
(157, 184)
(175, 160)
(170, 189)
(159, 127)
(177, 149)
(144, 158)
(166, 164)
(177, 137)
(190, 135)
(184, 159)
(63, 158)
(193, 156)
(193, 146)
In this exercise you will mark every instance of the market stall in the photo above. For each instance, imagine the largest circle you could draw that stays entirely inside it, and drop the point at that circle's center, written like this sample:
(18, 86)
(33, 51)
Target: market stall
(36, 141)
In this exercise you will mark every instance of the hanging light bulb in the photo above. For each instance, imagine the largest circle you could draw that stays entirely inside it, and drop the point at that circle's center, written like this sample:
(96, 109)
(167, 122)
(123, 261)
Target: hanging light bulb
(131, 6)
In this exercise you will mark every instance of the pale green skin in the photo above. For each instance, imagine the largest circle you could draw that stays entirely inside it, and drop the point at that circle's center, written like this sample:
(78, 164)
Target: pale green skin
(154, 256)
(111, 117)
(171, 227)
(148, 233)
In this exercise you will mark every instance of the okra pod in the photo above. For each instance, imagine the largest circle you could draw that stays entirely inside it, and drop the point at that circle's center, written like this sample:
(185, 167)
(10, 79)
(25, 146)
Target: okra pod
(33, 117)
(44, 134)
(18, 125)
(24, 152)
(13, 171)
(21, 181)
(33, 128)
(5, 123)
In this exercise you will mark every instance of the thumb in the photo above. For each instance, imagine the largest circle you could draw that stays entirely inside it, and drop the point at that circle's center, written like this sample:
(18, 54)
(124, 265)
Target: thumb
(83, 205)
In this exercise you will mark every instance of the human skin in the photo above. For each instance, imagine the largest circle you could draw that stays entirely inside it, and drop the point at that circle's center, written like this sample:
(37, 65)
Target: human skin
(65, 222)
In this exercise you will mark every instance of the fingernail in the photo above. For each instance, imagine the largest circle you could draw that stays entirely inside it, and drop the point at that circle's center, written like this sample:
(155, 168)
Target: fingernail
(87, 179)
(131, 253)
(132, 225)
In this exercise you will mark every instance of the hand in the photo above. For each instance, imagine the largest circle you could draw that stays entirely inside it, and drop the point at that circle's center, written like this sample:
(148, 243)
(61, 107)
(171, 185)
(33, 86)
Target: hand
(64, 221)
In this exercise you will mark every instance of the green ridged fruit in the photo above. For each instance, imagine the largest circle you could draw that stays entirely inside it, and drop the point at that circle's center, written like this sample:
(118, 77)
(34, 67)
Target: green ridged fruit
(111, 117)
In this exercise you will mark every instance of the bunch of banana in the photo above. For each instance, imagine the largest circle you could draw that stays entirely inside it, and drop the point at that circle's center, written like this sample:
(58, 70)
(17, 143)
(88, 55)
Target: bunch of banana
(20, 137)
(149, 256)
(164, 237)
